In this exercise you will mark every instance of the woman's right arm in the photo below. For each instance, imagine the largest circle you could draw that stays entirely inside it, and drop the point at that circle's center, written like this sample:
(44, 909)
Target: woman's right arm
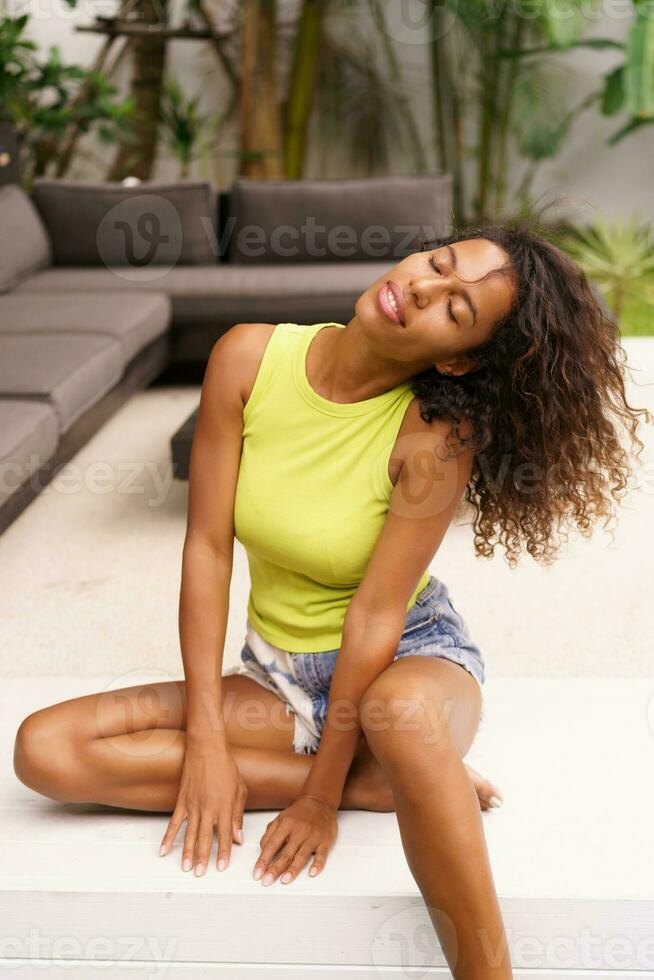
(211, 790)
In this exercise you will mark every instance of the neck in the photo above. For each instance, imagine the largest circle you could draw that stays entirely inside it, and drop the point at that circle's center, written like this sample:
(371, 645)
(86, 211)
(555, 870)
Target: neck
(342, 367)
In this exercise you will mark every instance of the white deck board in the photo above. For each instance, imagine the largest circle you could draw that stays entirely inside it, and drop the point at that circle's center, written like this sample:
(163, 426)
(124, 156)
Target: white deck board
(572, 852)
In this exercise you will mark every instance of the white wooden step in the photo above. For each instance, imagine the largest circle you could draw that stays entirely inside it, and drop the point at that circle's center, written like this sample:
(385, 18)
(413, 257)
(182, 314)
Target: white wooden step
(572, 850)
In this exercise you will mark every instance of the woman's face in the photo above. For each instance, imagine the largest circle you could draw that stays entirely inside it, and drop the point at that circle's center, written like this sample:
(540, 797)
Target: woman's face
(441, 305)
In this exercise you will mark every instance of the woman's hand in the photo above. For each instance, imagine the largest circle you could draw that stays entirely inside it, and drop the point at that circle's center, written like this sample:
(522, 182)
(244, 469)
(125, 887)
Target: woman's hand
(308, 825)
(211, 793)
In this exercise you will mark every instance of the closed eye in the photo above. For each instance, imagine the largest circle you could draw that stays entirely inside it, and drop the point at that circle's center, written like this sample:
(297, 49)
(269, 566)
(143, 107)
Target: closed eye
(435, 266)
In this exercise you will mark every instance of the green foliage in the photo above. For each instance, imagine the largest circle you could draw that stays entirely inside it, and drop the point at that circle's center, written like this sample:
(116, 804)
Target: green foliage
(638, 317)
(540, 117)
(183, 126)
(629, 87)
(618, 256)
(562, 22)
(16, 55)
(45, 97)
(355, 103)
(639, 66)
(508, 82)
(613, 94)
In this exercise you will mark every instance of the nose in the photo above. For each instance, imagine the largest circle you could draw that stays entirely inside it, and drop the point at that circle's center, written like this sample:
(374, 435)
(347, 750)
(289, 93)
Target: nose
(427, 289)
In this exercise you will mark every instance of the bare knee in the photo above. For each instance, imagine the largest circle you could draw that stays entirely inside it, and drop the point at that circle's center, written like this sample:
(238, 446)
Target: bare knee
(45, 758)
(403, 709)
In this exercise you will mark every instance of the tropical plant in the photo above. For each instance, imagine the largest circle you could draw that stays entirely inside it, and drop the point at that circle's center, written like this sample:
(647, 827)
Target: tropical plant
(16, 59)
(628, 88)
(41, 100)
(618, 256)
(499, 96)
(186, 131)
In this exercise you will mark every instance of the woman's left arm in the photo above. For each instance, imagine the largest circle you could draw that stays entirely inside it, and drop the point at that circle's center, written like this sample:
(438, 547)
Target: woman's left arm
(422, 505)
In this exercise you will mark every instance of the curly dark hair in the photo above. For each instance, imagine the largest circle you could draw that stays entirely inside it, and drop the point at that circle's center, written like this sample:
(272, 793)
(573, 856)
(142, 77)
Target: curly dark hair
(542, 410)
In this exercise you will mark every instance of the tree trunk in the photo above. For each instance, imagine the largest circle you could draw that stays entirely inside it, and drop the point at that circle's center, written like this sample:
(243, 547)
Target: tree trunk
(136, 157)
(261, 130)
(73, 132)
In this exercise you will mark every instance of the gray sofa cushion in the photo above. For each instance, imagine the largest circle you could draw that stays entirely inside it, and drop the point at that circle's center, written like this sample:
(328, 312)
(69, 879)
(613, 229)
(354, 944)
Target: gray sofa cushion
(133, 319)
(367, 219)
(70, 371)
(29, 434)
(152, 224)
(24, 244)
(230, 293)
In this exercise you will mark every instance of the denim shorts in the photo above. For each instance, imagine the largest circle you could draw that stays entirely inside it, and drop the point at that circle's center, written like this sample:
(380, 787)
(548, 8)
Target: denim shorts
(433, 628)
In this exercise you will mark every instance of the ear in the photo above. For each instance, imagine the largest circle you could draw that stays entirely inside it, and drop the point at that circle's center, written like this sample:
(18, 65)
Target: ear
(462, 365)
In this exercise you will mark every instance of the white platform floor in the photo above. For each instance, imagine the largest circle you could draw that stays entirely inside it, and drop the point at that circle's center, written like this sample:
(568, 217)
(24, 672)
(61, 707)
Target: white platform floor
(572, 851)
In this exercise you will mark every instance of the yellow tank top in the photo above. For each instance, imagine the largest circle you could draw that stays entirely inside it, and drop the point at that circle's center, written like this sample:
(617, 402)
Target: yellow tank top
(312, 495)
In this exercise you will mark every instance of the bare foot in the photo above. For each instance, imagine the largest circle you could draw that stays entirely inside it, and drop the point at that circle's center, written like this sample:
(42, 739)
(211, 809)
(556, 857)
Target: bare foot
(489, 795)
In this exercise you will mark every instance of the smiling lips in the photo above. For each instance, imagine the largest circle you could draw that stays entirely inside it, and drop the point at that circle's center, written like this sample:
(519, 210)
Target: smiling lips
(391, 302)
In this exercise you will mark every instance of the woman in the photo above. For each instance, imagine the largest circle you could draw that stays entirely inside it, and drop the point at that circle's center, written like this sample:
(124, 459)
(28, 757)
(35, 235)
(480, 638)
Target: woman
(481, 368)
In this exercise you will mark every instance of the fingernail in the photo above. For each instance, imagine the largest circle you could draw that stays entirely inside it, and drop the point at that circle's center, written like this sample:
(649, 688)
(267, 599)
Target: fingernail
(495, 801)
(267, 879)
(186, 864)
(239, 836)
(286, 878)
(162, 850)
(222, 864)
(257, 874)
(199, 870)
(313, 871)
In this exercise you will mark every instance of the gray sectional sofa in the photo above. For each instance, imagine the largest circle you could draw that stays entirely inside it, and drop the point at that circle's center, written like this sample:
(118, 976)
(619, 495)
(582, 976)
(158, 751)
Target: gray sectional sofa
(103, 287)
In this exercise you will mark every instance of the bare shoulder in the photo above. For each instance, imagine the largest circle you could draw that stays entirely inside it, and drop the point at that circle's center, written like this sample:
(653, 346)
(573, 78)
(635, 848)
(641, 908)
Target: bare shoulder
(235, 358)
(417, 436)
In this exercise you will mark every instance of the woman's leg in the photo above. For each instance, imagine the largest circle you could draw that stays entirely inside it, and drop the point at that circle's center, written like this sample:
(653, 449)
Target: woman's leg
(420, 716)
(125, 748)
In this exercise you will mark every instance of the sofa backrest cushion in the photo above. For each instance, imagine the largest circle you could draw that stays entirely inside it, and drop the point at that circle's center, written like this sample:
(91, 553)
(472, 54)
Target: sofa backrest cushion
(368, 219)
(24, 245)
(149, 224)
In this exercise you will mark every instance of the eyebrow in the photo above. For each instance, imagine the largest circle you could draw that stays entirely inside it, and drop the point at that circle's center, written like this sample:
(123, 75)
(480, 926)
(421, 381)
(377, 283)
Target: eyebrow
(465, 295)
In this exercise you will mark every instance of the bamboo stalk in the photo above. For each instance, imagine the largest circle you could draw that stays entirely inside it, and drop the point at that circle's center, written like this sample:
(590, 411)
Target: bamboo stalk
(453, 125)
(458, 160)
(488, 116)
(401, 96)
(301, 85)
(511, 74)
(438, 95)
